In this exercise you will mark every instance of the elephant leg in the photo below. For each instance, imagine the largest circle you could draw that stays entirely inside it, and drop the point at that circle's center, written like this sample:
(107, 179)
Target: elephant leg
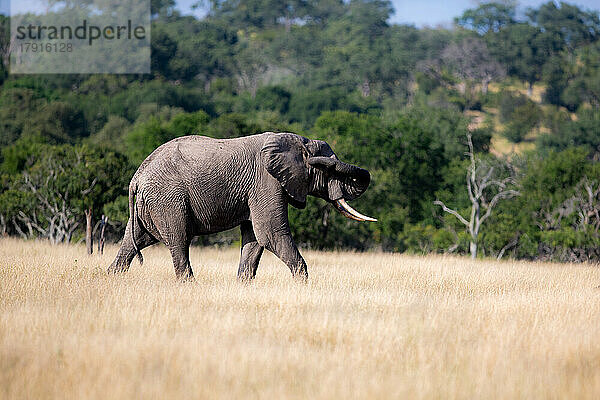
(283, 246)
(173, 227)
(272, 229)
(126, 252)
(250, 253)
(181, 262)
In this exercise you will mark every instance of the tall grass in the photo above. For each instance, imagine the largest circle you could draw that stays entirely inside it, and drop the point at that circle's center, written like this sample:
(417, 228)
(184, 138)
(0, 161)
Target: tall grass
(365, 326)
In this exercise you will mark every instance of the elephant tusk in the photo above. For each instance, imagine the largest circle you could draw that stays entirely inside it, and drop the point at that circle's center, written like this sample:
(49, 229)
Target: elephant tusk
(349, 212)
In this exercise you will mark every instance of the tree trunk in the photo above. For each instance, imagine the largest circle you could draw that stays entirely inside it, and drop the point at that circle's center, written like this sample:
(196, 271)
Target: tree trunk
(484, 86)
(473, 249)
(89, 240)
(324, 228)
(365, 88)
(103, 222)
(530, 89)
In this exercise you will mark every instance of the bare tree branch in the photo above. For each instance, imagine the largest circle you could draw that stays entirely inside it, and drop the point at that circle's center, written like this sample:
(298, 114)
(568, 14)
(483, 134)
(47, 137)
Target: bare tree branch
(453, 212)
(509, 245)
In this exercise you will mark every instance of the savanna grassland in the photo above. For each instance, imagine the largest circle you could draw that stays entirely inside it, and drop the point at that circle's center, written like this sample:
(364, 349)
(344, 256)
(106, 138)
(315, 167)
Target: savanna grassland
(365, 326)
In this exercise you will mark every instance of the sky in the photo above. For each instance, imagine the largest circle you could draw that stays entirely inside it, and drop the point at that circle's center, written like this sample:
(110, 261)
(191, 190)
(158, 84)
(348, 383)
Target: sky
(442, 12)
(418, 12)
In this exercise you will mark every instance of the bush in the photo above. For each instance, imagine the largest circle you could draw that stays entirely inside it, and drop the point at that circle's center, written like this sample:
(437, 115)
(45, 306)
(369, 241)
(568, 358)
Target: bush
(583, 132)
(520, 115)
(230, 126)
(509, 101)
(273, 98)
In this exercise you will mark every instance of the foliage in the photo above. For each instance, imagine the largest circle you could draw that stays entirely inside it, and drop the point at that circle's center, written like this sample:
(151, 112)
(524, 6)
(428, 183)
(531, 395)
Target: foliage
(395, 99)
(572, 25)
(523, 49)
(488, 17)
(47, 195)
(471, 61)
(583, 132)
(520, 115)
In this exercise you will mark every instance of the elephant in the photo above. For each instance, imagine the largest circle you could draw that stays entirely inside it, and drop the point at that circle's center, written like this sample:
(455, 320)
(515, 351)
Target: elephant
(197, 185)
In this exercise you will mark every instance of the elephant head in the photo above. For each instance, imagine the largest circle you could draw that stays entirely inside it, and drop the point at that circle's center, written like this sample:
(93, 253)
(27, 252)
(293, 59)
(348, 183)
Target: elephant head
(310, 167)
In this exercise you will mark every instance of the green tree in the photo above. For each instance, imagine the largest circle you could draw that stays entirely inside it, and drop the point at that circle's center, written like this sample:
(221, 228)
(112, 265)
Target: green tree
(274, 98)
(161, 8)
(112, 133)
(230, 126)
(163, 49)
(17, 107)
(182, 39)
(359, 38)
(524, 49)
(582, 133)
(488, 17)
(556, 76)
(147, 135)
(57, 122)
(519, 114)
(568, 22)
(49, 194)
(553, 210)
(584, 85)
(258, 14)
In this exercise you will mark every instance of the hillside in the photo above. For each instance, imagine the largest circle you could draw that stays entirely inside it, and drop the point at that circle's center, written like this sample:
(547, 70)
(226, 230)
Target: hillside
(397, 100)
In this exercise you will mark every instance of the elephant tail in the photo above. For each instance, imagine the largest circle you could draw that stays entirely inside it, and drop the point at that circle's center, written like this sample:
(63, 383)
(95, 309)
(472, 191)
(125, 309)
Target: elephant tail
(134, 217)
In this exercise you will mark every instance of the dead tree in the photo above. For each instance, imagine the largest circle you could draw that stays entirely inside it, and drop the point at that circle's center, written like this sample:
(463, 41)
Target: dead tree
(103, 222)
(52, 217)
(585, 203)
(481, 184)
(471, 60)
(251, 67)
(3, 225)
(89, 238)
(587, 197)
(7, 45)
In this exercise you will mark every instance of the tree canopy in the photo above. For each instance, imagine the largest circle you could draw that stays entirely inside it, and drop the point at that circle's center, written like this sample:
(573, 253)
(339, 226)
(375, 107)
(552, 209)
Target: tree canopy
(398, 100)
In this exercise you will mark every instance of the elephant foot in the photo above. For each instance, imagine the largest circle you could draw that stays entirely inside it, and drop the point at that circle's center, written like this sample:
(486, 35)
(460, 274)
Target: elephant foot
(185, 275)
(246, 278)
(186, 278)
(117, 268)
(300, 276)
(114, 269)
(247, 273)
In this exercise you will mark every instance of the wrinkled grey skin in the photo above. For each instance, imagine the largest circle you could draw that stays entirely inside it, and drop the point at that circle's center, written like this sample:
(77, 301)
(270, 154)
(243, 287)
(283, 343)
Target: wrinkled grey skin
(196, 185)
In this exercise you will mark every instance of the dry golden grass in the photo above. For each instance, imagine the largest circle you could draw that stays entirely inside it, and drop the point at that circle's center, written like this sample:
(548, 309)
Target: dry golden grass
(501, 146)
(365, 326)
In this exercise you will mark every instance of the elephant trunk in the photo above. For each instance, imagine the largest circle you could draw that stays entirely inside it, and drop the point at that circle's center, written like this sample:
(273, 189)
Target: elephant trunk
(328, 163)
(348, 169)
(354, 185)
(351, 182)
(346, 183)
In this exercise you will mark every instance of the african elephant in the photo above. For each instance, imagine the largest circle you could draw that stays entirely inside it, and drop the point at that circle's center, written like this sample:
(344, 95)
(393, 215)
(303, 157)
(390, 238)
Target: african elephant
(197, 185)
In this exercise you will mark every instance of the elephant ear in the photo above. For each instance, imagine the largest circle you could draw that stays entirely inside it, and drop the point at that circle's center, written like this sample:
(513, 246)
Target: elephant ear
(284, 157)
